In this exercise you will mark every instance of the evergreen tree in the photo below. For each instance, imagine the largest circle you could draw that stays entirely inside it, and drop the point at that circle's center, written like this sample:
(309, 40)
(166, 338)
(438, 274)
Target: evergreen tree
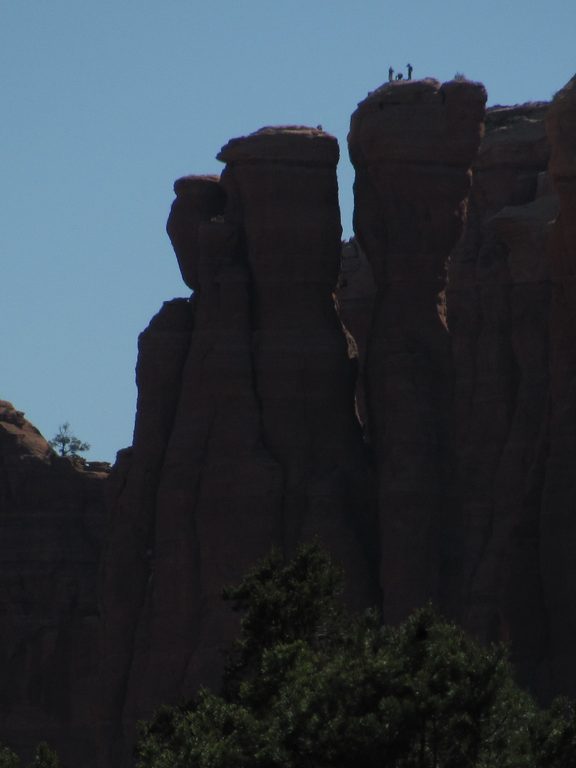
(66, 443)
(8, 759)
(308, 685)
(44, 757)
(554, 736)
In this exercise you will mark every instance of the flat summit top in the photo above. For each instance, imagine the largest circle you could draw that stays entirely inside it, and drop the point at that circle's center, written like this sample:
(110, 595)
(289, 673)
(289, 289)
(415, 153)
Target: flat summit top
(419, 122)
(298, 144)
(425, 91)
(404, 90)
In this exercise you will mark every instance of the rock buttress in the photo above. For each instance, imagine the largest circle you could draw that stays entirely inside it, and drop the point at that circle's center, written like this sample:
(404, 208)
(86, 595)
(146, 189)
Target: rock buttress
(497, 305)
(126, 562)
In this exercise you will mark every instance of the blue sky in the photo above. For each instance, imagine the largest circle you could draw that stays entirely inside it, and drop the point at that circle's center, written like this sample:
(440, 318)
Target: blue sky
(106, 103)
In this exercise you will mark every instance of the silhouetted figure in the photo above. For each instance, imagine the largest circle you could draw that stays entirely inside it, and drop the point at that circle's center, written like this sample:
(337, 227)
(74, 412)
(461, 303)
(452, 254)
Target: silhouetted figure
(410, 68)
(390, 74)
(399, 76)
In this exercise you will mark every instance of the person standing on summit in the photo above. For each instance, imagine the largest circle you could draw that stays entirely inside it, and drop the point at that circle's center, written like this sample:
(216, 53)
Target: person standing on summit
(390, 74)
(410, 68)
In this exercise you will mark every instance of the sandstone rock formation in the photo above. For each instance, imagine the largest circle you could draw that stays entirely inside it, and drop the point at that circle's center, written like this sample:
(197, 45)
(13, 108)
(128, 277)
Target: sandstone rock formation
(257, 442)
(460, 485)
(412, 146)
(52, 517)
(245, 434)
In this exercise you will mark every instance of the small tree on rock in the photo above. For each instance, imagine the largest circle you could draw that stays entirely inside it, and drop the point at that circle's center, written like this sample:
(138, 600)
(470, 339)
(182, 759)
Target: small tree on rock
(66, 443)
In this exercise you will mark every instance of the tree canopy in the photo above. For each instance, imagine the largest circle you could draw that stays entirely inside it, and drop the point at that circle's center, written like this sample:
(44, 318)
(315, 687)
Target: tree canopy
(308, 685)
(44, 757)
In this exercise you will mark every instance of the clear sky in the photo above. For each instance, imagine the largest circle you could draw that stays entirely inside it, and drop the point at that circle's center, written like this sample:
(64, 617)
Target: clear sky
(105, 103)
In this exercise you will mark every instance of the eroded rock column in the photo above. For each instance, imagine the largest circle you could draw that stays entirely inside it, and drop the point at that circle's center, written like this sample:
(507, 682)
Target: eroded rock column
(281, 183)
(412, 145)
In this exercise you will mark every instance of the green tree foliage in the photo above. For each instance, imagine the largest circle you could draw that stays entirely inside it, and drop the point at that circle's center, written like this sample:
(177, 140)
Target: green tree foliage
(283, 603)
(554, 736)
(310, 686)
(66, 443)
(8, 759)
(44, 757)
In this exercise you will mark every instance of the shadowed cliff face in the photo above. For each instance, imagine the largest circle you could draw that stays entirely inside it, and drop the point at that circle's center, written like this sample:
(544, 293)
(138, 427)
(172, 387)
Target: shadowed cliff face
(412, 146)
(355, 297)
(52, 517)
(498, 298)
(558, 524)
